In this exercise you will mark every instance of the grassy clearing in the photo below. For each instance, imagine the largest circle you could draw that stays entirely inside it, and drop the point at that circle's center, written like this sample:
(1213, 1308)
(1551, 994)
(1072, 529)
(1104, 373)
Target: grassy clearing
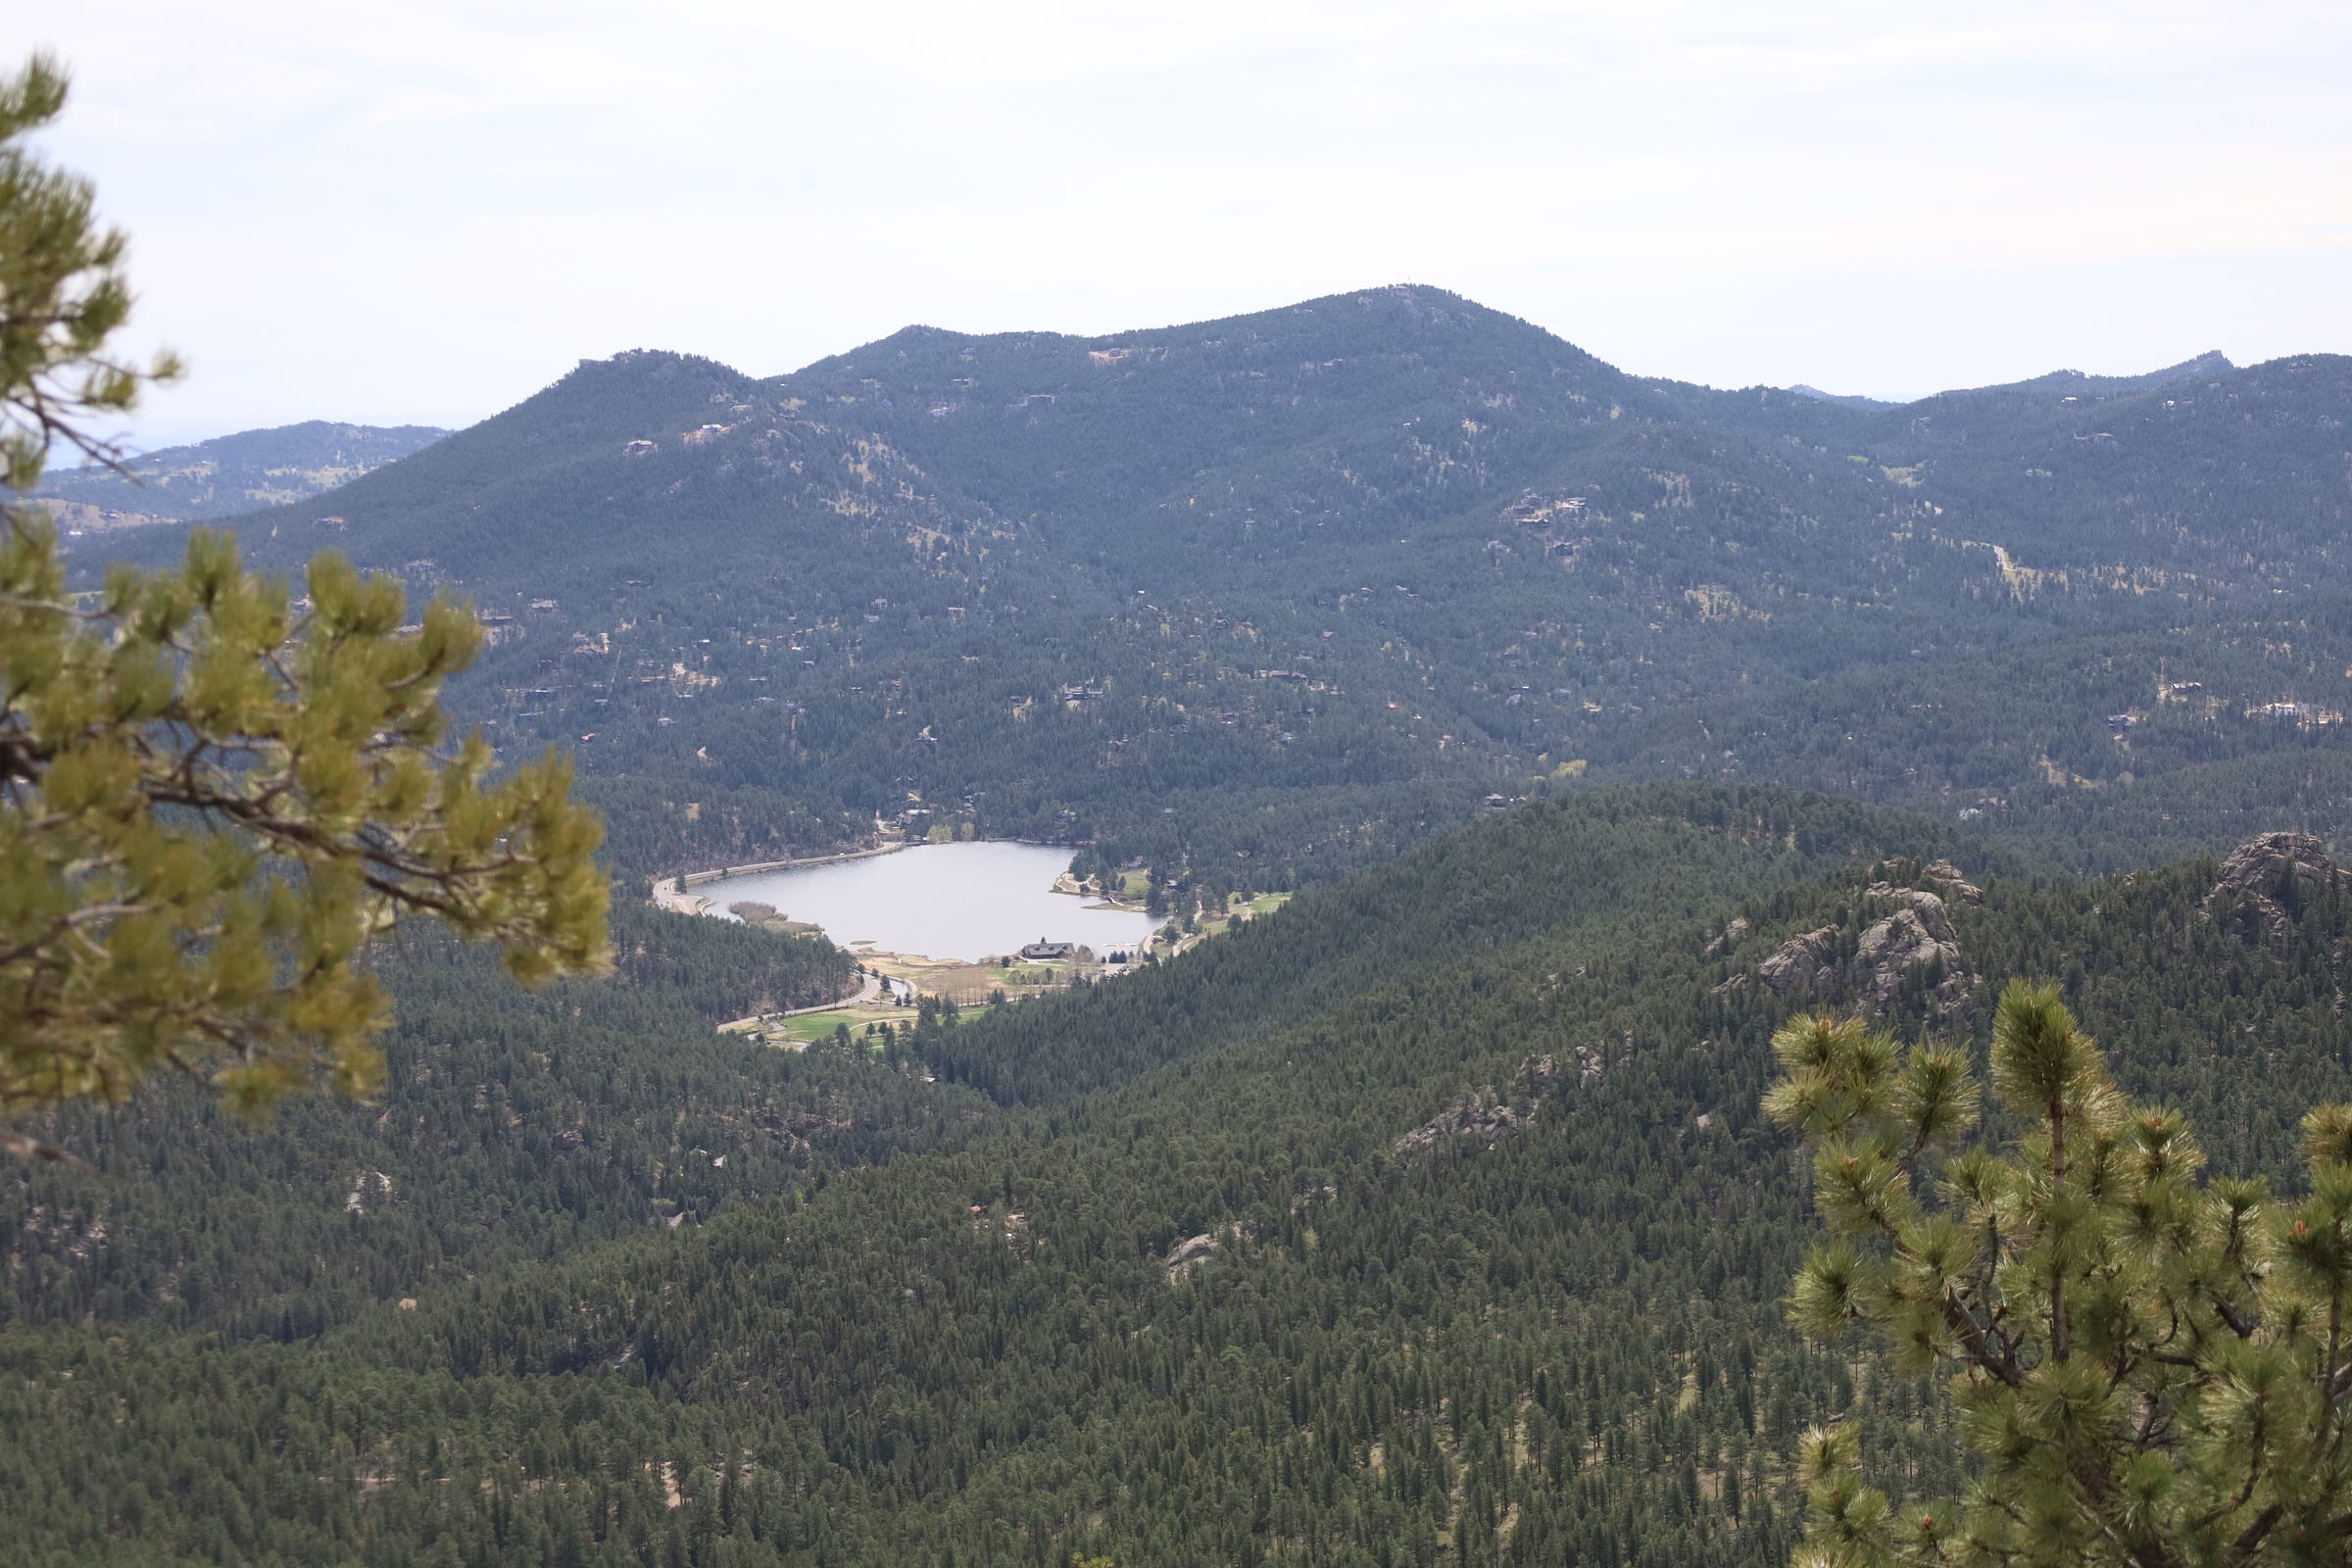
(971, 985)
(795, 1033)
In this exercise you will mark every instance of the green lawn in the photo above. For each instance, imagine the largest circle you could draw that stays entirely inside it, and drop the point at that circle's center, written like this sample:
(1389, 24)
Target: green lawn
(820, 1025)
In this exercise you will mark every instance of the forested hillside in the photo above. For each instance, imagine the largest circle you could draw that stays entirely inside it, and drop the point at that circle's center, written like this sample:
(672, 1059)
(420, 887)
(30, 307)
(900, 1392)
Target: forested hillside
(228, 476)
(1430, 1220)
(1602, 725)
(510, 1125)
(1266, 598)
(1262, 599)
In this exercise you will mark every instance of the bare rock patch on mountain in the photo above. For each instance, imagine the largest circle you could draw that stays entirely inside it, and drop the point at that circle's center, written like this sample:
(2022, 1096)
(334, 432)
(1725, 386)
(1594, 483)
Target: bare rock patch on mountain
(2264, 880)
(1915, 936)
(1489, 1114)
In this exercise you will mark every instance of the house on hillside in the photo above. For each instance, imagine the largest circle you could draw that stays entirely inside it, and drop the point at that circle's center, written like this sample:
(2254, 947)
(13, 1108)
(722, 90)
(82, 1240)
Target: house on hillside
(1041, 949)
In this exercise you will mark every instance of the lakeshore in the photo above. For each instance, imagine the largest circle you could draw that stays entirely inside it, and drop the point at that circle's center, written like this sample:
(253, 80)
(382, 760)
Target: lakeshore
(975, 923)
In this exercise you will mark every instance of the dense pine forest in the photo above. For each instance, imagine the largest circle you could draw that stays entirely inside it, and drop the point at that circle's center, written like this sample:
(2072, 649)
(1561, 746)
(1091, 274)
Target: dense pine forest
(1433, 1220)
(1600, 725)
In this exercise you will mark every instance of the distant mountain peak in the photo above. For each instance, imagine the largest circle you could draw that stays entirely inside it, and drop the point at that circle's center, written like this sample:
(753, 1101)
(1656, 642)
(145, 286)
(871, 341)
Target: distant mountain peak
(229, 474)
(1419, 308)
(2213, 361)
(654, 362)
(1852, 399)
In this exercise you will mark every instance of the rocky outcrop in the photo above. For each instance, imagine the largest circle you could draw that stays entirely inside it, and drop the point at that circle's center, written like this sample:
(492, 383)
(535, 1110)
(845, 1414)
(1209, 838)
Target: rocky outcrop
(1917, 934)
(1926, 910)
(1804, 964)
(1487, 1116)
(1188, 1253)
(1475, 1117)
(1945, 878)
(369, 1191)
(2264, 880)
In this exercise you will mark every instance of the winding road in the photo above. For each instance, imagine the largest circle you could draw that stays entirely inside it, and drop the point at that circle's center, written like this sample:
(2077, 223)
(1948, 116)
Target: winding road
(867, 992)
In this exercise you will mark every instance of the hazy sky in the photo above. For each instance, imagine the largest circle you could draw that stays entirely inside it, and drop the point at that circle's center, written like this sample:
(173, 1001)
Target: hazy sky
(424, 211)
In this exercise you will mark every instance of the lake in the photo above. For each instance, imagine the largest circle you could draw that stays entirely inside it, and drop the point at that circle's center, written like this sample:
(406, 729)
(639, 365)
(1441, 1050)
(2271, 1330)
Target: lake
(942, 901)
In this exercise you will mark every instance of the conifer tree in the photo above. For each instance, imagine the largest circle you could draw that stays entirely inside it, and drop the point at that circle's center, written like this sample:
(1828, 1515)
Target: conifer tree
(2151, 1365)
(213, 795)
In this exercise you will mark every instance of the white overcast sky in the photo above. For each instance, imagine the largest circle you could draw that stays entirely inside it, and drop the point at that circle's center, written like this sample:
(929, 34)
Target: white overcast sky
(424, 211)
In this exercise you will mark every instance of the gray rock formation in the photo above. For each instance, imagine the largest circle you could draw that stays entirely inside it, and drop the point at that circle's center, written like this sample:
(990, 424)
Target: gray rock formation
(1916, 935)
(1487, 1116)
(1913, 937)
(1189, 1252)
(1803, 963)
(1945, 878)
(2264, 875)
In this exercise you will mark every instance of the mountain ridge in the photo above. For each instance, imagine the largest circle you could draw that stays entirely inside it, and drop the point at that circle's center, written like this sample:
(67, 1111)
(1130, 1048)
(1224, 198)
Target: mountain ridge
(228, 475)
(1381, 546)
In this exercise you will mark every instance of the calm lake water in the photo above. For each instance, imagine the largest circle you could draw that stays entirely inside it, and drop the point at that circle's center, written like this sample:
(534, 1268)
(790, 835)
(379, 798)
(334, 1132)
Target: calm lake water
(943, 901)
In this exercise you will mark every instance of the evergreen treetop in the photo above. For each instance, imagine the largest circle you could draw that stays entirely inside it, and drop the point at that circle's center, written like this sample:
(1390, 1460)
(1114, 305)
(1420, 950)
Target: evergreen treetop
(2150, 1364)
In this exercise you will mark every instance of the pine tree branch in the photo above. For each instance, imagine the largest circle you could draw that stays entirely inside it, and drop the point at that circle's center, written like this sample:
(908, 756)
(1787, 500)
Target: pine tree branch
(2250, 1539)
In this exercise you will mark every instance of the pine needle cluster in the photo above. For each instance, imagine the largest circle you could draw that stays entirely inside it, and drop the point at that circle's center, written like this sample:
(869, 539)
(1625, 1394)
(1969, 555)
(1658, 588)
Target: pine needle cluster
(2150, 1363)
(212, 796)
